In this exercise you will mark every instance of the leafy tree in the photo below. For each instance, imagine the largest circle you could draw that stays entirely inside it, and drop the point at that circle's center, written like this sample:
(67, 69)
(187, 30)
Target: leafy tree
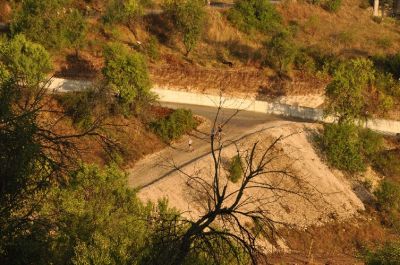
(126, 74)
(26, 61)
(189, 18)
(34, 154)
(258, 15)
(345, 93)
(75, 30)
(40, 21)
(281, 52)
(122, 11)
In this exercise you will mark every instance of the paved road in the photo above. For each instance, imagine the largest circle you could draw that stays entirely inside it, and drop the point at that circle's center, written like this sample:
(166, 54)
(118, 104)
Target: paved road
(158, 166)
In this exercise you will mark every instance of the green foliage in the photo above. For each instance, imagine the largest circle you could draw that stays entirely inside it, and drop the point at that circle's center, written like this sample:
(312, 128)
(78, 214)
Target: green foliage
(387, 163)
(281, 52)
(350, 148)
(189, 18)
(75, 29)
(371, 143)
(48, 22)
(99, 219)
(26, 61)
(305, 62)
(126, 74)
(80, 106)
(260, 15)
(332, 5)
(388, 202)
(389, 64)
(345, 98)
(388, 254)
(122, 11)
(235, 169)
(175, 125)
(342, 147)
(152, 48)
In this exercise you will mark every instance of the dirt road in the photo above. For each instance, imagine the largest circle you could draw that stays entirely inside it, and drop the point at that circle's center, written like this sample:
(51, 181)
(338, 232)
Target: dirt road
(159, 165)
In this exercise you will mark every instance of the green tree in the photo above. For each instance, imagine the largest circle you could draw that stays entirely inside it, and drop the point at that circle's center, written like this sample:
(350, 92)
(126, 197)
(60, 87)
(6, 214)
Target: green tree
(189, 18)
(258, 15)
(122, 11)
(75, 29)
(281, 52)
(126, 74)
(346, 92)
(27, 62)
(42, 21)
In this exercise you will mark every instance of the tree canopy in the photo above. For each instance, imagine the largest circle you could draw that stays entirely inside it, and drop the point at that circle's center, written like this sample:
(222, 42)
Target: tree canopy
(126, 73)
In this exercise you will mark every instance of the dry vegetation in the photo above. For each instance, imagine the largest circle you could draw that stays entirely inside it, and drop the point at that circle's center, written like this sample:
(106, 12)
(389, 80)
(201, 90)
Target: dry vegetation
(350, 32)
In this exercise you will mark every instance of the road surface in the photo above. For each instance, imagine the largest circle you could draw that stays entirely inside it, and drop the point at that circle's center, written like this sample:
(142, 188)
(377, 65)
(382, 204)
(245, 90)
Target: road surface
(160, 165)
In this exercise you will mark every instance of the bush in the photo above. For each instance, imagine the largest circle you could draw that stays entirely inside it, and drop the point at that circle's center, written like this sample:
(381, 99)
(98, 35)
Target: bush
(235, 169)
(342, 146)
(305, 62)
(48, 22)
(122, 11)
(189, 18)
(152, 48)
(388, 202)
(388, 163)
(281, 52)
(175, 125)
(260, 15)
(388, 254)
(389, 64)
(332, 5)
(126, 74)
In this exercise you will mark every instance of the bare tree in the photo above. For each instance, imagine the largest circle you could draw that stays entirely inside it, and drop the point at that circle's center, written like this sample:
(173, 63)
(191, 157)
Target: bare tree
(234, 218)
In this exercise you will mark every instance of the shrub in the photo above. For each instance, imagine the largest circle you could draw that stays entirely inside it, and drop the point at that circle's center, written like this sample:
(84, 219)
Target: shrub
(235, 169)
(305, 62)
(48, 22)
(126, 74)
(332, 5)
(281, 52)
(388, 254)
(388, 202)
(371, 143)
(152, 48)
(389, 63)
(388, 163)
(175, 125)
(79, 107)
(384, 43)
(260, 15)
(342, 147)
(189, 18)
(122, 11)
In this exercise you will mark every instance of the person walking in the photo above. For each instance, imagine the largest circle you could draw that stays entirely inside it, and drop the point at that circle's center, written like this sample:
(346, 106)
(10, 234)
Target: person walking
(190, 142)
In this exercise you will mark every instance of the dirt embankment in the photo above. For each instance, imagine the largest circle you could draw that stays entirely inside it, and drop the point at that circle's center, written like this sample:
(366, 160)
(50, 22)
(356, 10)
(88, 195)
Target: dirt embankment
(330, 196)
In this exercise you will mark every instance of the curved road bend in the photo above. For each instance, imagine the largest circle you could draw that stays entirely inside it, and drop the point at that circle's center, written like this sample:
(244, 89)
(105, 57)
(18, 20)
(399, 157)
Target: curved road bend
(159, 165)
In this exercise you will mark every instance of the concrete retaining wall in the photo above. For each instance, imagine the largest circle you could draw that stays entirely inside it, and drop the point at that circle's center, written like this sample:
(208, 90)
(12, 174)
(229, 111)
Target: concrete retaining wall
(313, 114)
(248, 104)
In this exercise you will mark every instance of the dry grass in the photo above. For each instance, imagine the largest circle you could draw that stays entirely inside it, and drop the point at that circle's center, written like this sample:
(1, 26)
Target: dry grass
(350, 32)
